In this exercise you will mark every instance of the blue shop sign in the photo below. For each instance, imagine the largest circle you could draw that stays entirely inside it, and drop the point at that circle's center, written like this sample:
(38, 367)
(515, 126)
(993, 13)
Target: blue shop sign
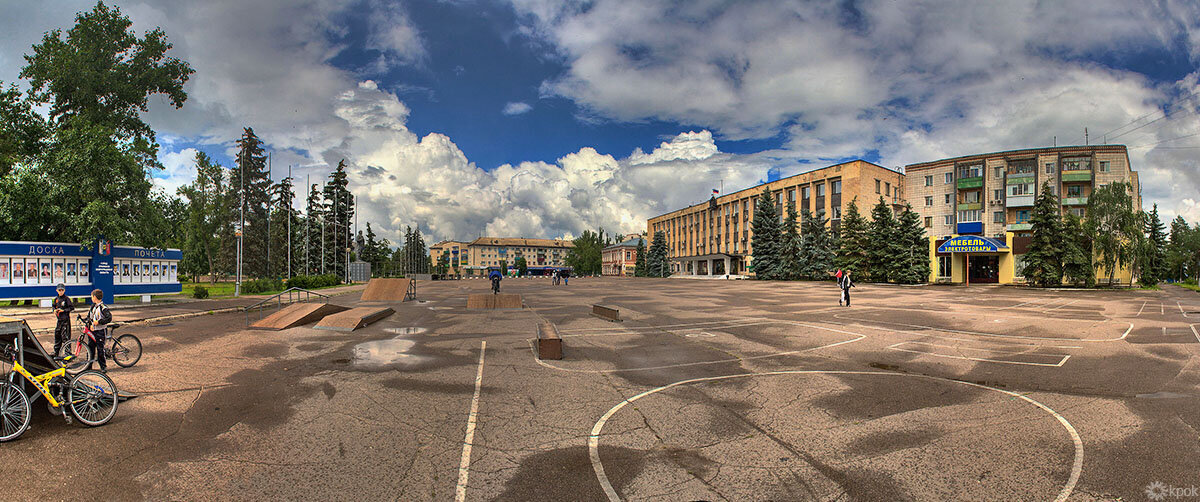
(972, 244)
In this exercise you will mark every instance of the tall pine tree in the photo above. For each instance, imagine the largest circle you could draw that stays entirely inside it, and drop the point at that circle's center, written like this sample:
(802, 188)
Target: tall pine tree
(913, 262)
(639, 264)
(657, 264)
(339, 212)
(1154, 259)
(766, 240)
(283, 195)
(1077, 253)
(792, 254)
(882, 245)
(249, 191)
(1177, 249)
(852, 252)
(819, 249)
(1043, 260)
(314, 220)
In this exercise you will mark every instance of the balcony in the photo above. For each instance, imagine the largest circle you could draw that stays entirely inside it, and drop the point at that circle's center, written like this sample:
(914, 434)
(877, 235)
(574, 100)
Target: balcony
(968, 206)
(1020, 201)
(1074, 201)
(1076, 176)
(974, 182)
(1016, 227)
(1019, 179)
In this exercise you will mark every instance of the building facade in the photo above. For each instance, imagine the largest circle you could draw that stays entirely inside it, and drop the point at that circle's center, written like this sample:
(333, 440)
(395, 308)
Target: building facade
(713, 237)
(454, 254)
(620, 258)
(992, 195)
(542, 256)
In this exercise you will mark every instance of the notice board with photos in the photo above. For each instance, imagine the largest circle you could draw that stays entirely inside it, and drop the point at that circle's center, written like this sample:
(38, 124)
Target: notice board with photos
(31, 270)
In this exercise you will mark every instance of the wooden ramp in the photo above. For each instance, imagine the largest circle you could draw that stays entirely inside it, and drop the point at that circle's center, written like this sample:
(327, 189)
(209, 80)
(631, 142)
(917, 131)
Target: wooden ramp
(296, 314)
(385, 290)
(490, 301)
(354, 318)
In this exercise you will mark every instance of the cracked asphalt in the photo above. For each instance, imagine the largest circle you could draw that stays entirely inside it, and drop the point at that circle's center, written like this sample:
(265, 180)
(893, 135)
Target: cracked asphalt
(707, 390)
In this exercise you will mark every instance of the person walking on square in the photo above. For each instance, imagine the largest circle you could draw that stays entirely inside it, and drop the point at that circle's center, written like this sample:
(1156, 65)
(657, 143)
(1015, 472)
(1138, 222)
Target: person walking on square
(846, 285)
(99, 317)
(63, 306)
(841, 295)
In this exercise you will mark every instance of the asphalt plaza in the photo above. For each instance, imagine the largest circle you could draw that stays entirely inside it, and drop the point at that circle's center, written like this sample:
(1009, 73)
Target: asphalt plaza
(706, 390)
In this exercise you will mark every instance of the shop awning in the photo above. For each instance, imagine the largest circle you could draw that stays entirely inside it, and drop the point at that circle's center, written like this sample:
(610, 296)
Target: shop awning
(972, 244)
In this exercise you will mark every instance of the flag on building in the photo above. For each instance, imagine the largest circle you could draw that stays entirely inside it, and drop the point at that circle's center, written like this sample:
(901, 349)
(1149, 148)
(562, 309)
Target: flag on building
(715, 191)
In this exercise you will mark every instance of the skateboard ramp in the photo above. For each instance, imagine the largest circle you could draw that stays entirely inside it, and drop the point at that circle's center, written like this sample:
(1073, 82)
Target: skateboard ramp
(385, 290)
(297, 314)
(490, 301)
(354, 318)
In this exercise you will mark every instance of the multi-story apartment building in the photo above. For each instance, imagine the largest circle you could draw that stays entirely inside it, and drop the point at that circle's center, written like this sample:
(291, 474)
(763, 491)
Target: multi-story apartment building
(542, 256)
(713, 237)
(993, 193)
(453, 252)
(620, 258)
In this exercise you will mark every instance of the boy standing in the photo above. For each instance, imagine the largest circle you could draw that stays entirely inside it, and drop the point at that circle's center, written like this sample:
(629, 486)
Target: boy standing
(99, 316)
(63, 306)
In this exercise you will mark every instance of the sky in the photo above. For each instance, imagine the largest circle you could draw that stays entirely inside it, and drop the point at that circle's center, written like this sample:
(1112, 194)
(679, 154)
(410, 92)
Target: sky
(540, 118)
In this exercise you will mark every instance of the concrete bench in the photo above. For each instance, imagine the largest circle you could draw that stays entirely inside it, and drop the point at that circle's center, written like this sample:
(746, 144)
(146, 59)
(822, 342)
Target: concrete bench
(606, 313)
(548, 343)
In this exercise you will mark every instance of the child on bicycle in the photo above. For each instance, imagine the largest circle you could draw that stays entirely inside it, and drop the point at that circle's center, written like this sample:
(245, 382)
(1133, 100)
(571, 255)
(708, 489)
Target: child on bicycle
(99, 317)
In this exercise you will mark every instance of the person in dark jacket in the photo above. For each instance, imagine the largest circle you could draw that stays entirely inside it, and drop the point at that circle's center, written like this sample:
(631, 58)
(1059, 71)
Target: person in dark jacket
(846, 285)
(63, 306)
(99, 317)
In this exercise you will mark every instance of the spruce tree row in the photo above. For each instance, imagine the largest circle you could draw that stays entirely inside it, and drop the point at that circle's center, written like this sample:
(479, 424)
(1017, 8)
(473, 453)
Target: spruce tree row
(884, 249)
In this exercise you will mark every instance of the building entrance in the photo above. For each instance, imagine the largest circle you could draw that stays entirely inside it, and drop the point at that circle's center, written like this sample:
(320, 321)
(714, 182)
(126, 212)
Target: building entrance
(983, 269)
(718, 267)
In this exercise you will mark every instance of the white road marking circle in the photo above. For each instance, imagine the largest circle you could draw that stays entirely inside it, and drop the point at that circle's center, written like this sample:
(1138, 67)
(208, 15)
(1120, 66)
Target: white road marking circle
(611, 492)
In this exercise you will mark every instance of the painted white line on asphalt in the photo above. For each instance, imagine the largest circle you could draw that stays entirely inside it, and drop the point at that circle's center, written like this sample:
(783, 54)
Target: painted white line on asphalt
(1162, 309)
(720, 361)
(644, 328)
(1181, 311)
(464, 466)
(1060, 306)
(613, 496)
(1143, 308)
(976, 333)
(641, 330)
(1194, 332)
(978, 349)
(983, 359)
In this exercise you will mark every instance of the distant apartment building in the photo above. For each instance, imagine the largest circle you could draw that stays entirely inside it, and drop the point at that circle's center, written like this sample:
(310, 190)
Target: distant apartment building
(454, 253)
(713, 237)
(620, 258)
(991, 196)
(542, 256)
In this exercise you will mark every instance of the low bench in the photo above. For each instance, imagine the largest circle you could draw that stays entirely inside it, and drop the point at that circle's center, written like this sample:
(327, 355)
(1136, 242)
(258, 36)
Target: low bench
(606, 313)
(548, 344)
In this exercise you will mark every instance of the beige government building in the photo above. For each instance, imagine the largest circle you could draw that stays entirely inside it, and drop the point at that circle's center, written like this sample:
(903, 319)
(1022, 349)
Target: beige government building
(987, 198)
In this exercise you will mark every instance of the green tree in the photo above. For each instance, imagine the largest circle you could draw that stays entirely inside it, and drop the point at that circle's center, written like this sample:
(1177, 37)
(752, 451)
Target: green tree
(250, 197)
(1154, 251)
(314, 221)
(882, 245)
(205, 215)
(852, 253)
(22, 130)
(285, 229)
(522, 266)
(1043, 260)
(913, 260)
(339, 215)
(792, 253)
(1077, 253)
(102, 74)
(766, 240)
(1178, 249)
(657, 263)
(639, 263)
(820, 248)
(584, 257)
(1114, 226)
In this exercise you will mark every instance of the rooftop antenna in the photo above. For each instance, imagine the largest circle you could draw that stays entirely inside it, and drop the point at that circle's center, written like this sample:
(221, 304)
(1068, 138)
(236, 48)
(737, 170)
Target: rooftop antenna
(1085, 136)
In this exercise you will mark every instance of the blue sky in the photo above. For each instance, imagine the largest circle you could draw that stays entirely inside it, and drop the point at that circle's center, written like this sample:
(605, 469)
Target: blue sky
(543, 118)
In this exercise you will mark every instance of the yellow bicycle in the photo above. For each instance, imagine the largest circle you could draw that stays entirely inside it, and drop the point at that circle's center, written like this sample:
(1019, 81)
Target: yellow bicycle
(90, 397)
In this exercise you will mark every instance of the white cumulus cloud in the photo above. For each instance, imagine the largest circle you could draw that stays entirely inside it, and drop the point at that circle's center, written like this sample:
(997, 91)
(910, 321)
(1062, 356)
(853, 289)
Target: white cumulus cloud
(517, 108)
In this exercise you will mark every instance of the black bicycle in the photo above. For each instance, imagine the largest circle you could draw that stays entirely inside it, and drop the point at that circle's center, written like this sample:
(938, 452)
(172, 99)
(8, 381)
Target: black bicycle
(125, 350)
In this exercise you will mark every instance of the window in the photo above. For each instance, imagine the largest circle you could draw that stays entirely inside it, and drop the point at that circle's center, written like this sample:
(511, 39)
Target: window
(1026, 166)
(928, 200)
(1077, 164)
(928, 221)
(949, 218)
(949, 178)
(1074, 191)
(947, 198)
(929, 180)
(1021, 189)
(971, 197)
(877, 186)
(792, 198)
(804, 192)
(999, 171)
(1049, 168)
(998, 217)
(836, 187)
(971, 171)
(836, 212)
(972, 215)
(1023, 216)
(998, 194)
(1079, 211)
(887, 188)
(943, 266)
(820, 190)
(1104, 166)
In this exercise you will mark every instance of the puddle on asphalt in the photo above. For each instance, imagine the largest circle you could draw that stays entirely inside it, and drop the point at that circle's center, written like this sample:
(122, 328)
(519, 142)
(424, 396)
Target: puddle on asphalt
(407, 331)
(394, 352)
(1163, 395)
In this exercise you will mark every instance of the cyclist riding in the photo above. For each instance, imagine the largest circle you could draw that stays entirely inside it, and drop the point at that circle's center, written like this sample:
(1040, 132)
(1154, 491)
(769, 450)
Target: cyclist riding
(495, 276)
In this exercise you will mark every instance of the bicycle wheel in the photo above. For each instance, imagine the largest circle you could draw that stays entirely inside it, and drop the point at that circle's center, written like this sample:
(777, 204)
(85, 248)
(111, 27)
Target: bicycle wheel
(92, 398)
(126, 350)
(14, 412)
(78, 357)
